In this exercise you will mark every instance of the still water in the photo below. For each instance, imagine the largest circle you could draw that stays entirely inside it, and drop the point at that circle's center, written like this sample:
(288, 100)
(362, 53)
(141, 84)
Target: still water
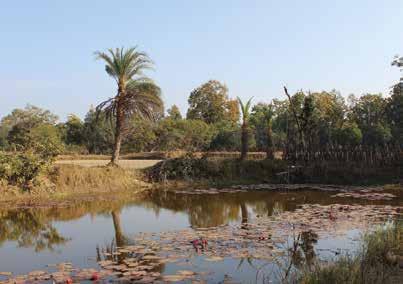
(33, 238)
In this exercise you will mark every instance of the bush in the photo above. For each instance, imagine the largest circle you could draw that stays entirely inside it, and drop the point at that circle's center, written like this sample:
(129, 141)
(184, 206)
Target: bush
(37, 148)
(22, 169)
(43, 139)
(216, 169)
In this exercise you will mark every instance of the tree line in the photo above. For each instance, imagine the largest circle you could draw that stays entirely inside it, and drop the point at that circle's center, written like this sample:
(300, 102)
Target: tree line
(134, 119)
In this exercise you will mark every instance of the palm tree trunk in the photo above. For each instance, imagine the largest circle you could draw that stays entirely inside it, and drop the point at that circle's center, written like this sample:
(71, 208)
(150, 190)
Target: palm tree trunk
(119, 126)
(244, 141)
(116, 146)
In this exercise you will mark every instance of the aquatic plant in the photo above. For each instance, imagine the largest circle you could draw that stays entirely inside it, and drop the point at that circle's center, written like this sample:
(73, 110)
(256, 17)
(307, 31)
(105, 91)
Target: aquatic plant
(377, 261)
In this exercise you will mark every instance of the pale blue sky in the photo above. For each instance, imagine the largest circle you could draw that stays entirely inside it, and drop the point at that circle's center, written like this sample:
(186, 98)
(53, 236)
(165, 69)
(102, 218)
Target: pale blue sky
(46, 47)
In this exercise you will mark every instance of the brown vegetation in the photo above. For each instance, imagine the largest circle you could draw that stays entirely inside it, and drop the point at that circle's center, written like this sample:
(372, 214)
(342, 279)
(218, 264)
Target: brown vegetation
(66, 181)
(69, 178)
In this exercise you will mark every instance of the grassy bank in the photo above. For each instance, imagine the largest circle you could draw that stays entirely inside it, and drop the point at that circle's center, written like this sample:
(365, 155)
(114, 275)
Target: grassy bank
(69, 181)
(216, 170)
(234, 171)
(126, 164)
(161, 155)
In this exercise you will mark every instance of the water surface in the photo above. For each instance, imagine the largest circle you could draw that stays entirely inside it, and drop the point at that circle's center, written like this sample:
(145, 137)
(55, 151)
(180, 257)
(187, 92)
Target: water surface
(32, 238)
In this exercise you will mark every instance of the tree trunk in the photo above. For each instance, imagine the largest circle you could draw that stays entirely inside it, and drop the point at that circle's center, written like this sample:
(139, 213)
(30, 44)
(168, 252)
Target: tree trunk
(116, 146)
(119, 125)
(244, 141)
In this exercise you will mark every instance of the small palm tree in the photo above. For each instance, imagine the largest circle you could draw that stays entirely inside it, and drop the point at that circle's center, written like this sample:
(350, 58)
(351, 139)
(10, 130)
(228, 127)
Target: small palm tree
(245, 111)
(136, 94)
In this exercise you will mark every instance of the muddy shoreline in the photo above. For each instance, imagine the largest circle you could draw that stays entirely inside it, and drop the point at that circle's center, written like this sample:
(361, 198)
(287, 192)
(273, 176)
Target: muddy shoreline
(65, 198)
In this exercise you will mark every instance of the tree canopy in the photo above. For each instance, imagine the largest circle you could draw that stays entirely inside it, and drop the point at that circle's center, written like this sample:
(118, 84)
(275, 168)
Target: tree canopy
(210, 103)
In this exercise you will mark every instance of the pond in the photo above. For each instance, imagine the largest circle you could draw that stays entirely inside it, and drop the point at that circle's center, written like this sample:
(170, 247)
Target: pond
(88, 233)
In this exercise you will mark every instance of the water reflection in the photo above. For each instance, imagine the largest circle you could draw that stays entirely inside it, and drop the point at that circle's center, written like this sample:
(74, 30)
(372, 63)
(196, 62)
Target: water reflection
(120, 239)
(303, 252)
(29, 228)
(34, 227)
(211, 210)
(92, 228)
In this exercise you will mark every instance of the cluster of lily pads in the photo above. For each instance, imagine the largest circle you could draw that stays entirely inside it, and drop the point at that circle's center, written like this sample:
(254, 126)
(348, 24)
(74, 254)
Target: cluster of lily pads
(366, 195)
(278, 187)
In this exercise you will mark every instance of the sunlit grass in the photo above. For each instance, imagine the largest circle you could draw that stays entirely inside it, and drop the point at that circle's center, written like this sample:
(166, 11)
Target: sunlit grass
(71, 178)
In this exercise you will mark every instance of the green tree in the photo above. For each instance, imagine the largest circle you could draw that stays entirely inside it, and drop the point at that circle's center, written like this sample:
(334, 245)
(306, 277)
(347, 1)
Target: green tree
(245, 110)
(280, 122)
(198, 135)
(261, 119)
(348, 134)
(98, 133)
(329, 115)
(210, 103)
(43, 139)
(174, 112)
(369, 112)
(27, 118)
(136, 94)
(308, 122)
(142, 136)
(227, 137)
(258, 121)
(73, 130)
(395, 106)
(184, 134)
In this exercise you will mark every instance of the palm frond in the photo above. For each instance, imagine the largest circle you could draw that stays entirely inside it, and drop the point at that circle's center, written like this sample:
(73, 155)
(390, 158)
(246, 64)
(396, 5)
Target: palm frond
(245, 108)
(124, 64)
(144, 99)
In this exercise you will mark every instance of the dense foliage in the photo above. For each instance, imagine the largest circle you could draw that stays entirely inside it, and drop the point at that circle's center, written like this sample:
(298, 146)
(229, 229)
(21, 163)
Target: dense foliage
(301, 121)
(325, 117)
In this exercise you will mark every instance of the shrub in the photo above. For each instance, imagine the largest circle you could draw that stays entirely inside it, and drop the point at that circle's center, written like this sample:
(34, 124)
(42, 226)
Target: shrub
(22, 169)
(43, 139)
(218, 170)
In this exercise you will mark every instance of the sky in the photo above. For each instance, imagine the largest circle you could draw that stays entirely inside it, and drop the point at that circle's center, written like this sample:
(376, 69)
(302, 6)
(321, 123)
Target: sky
(253, 46)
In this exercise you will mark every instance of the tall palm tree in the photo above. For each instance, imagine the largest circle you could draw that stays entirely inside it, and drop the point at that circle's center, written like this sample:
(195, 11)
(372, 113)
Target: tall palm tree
(245, 111)
(136, 95)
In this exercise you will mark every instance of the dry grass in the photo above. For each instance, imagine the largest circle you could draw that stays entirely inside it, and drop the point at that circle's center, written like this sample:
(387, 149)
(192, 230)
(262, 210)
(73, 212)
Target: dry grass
(129, 156)
(160, 155)
(125, 164)
(71, 178)
(83, 157)
(75, 183)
